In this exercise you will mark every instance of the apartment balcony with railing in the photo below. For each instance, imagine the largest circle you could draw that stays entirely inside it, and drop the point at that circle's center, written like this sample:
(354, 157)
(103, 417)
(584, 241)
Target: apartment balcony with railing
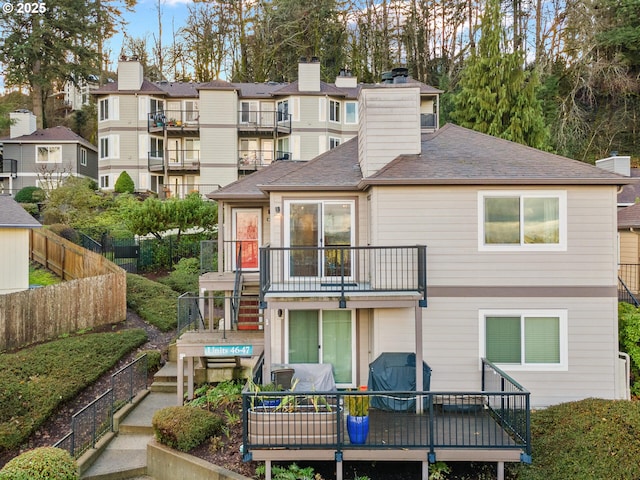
(343, 271)
(265, 122)
(257, 159)
(174, 122)
(9, 166)
(177, 161)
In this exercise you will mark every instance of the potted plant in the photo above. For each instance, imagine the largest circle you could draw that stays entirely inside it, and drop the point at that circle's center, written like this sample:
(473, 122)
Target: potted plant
(297, 420)
(358, 417)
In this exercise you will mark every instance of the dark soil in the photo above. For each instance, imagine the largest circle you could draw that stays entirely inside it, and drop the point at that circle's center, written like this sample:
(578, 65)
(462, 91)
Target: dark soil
(225, 450)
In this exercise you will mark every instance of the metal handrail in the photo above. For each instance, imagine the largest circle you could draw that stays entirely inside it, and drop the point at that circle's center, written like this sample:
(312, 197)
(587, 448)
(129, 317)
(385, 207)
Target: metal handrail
(625, 294)
(237, 285)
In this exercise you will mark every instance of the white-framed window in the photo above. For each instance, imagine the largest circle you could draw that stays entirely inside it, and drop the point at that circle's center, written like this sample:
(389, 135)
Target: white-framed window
(350, 112)
(48, 154)
(283, 110)
(83, 157)
(156, 105)
(249, 112)
(109, 147)
(334, 111)
(108, 109)
(156, 147)
(534, 220)
(525, 339)
(104, 181)
(191, 113)
(334, 142)
(283, 151)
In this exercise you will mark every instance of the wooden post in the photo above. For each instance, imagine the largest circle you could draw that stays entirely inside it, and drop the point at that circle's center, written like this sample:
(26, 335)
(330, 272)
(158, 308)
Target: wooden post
(419, 357)
(180, 386)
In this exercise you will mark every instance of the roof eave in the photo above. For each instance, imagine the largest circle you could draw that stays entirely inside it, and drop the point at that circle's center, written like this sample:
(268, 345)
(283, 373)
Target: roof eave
(491, 181)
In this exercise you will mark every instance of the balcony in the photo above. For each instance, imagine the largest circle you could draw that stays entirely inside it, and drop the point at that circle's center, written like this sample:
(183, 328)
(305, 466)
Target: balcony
(492, 424)
(251, 160)
(174, 122)
(9, 166)
(341, 271)
(187, 161)
(428, 121)
(263, 122)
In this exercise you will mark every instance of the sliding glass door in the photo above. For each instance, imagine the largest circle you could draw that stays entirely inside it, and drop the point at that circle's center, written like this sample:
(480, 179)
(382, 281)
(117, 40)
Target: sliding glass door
(316, 224)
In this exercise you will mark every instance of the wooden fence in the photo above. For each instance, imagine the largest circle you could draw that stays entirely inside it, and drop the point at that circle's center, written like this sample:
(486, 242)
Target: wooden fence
(94, 293)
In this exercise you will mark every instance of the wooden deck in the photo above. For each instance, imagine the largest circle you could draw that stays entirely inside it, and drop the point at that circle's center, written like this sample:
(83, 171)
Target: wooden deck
(465, 436)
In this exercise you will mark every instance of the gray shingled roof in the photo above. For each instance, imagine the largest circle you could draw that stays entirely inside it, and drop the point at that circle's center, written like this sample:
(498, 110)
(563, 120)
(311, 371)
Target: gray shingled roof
(630, 193)
(12, 215)
(54, 134)
(457, 155)
(629, 217)
(451, 156)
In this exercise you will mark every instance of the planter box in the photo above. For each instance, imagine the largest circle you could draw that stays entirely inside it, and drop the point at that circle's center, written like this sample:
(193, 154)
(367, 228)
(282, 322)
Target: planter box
(306, 426)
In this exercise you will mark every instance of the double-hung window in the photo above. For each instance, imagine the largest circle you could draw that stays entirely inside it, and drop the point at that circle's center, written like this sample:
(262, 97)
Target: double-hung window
(334, 111)
(108, 109)
(525, 340)
(526, 221)
(351, 112)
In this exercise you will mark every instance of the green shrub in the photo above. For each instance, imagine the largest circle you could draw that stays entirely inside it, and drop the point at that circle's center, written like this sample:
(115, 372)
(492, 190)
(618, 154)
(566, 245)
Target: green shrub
(38, 275)
(185, 427)
(124, 184)
(65, 231)
(30, 195)
(31, 208)
(154, 302)
(592, 438)
(45, 463)
(184, 277)
(629, 339)
(35, 381)
(154, 359)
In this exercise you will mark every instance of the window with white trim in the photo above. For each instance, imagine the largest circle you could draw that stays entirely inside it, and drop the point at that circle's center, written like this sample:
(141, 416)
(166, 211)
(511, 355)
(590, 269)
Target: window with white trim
(104, 181)
(333, 142)
(83, 157)
(156, 105)
(525, 339)
(350, 112)
(104, 147)
(334, 111)
(283, 110)
(48, 154)
(156, 149)
(109, 147)
(103, 109)
(527, 221)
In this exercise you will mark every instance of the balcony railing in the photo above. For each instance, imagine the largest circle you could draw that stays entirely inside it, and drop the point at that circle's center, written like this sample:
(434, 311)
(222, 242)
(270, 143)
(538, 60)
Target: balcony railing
(428, 120)
(264, 120)
(343, 270)
(178, 160)
(10, 166)
(181, 190)
(256, 159)
(173, 120)
(495, 418)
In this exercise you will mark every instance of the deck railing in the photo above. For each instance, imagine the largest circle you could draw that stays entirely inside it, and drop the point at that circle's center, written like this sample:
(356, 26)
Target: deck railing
(178, 120)
(96, 419)
(461, 420)
(264, 119)
(629, 282)
(343, 270)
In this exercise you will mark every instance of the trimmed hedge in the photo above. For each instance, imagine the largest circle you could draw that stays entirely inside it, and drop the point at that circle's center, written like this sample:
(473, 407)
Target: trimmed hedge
(185, 427)
(45, 463)
(30, 195)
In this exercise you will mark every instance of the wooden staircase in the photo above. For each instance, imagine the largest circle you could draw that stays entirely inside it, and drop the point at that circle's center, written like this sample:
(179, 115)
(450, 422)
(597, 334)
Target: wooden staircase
(249, 314)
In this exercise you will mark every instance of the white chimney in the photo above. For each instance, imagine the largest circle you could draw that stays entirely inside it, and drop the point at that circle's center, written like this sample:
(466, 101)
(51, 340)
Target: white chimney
(345, 80)
(23, 122)
(309, 75)
(130, 74)
(389, 125)
(616, 164)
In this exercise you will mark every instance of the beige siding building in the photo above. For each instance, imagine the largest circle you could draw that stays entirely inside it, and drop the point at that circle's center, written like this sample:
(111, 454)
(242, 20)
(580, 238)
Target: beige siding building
(174, 138)
(15, 225)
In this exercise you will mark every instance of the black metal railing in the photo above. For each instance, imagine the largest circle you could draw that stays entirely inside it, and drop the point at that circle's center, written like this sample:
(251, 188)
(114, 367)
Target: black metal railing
(254, 159)
(208, 256)
(10, 166)
(96, 419)
(237, 286)
(341, 270)
(428, 120)
(264, 119)
(629, 283)
(313, 420)
(181, 190)
(177, 120)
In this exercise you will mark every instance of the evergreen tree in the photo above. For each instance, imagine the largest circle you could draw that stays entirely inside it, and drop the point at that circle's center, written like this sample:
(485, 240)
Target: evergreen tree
(124, 184)
(496, 95)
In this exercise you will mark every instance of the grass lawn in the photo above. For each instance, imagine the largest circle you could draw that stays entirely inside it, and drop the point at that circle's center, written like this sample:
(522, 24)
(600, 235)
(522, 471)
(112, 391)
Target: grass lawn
(154, 302)
(38, 275)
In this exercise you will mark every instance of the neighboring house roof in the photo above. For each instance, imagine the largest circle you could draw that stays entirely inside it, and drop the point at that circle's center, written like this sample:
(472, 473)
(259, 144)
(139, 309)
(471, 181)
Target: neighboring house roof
(631, 192)
(629, 217)
(325, 88)
(12, 215)
(451, 156)
(147, 87)
(57, 134)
